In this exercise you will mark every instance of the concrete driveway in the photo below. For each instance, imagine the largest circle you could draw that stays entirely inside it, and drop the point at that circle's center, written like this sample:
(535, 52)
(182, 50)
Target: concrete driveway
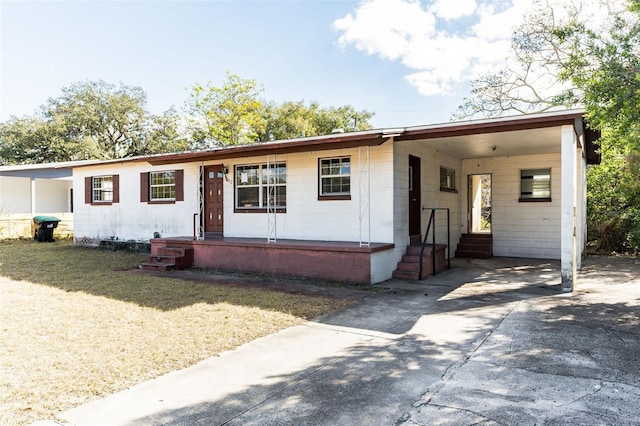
(490, 342)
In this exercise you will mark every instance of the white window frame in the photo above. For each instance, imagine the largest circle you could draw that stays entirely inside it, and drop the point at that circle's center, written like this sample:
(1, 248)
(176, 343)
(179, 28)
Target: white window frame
(102, 189)
(341, 174)
(243, 182)
(527, 179)
(164, 186)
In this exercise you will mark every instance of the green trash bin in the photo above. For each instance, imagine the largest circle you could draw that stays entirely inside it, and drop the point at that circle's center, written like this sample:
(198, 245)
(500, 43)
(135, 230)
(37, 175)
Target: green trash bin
(43, 227)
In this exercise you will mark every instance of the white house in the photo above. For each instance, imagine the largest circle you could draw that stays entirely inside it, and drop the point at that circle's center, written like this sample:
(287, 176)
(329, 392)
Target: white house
(348, 205)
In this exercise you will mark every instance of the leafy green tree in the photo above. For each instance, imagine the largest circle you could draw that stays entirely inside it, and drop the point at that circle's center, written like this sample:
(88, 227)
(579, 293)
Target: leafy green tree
(29, 140)
(606, 68)
(91, 119)
(296, 119)
(110, 117)
(225, 115)
(163, 134)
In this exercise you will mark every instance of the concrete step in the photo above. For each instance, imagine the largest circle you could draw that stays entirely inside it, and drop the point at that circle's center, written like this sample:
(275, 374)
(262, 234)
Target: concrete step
(405, 275)
(162, 259)
(475, 246)
(416, 250)
(157, 266)
(180, 257)
(477, 236)
(408, 266)
(473, 254)
(175, 251)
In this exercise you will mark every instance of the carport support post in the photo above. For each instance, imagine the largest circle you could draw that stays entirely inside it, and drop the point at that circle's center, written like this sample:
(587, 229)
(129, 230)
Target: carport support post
(569, 175)
(33, 196)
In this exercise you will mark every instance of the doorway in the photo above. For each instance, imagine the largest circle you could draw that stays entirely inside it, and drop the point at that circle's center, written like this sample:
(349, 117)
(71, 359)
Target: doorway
(480, 204)
(415, 202)
(213, 199)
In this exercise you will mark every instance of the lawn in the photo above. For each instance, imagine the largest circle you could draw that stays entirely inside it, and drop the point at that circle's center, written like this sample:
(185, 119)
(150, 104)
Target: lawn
(76, 325)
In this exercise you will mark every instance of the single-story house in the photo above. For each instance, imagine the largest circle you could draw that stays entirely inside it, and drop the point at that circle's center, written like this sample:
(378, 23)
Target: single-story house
(349, 205)
(35, 189)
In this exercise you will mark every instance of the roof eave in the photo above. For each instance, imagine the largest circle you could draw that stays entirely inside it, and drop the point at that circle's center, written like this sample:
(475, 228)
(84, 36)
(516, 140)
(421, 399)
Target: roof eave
(507, 124)
(274, 148)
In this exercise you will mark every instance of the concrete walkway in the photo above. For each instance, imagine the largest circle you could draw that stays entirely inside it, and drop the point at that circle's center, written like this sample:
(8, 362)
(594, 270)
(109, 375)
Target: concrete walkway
(490, 342)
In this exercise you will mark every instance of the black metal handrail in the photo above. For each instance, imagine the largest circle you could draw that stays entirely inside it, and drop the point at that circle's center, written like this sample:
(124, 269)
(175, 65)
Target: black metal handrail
(432, 220)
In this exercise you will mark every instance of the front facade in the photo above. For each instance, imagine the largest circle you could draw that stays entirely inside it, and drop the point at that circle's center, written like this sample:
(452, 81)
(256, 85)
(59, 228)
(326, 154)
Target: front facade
(519, 179)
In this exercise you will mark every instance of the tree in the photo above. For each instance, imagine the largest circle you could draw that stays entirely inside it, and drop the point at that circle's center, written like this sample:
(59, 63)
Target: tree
(110, 117)
(296, 119)
(163, 134)
(225, 115)
(531, 81)
(606, 68)
(91, 119)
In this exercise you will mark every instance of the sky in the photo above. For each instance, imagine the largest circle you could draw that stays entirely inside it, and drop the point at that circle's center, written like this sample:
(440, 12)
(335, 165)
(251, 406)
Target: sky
(408, 61)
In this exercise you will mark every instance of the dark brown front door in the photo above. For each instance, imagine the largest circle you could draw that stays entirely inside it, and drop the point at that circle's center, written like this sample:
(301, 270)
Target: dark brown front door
(415, 203)
(213, 196)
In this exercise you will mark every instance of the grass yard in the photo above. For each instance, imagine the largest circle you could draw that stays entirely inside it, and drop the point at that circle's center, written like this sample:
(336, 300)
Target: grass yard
(75, 325)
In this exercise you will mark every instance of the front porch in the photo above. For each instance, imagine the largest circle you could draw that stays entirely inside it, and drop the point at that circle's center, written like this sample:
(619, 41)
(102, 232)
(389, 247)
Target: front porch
(323, 260)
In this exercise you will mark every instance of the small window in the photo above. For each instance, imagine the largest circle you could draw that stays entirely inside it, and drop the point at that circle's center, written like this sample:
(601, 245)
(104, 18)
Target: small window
(335, 178)
(447, 179)
(162, 185)
(535, 185)
(102, 189)
(259, 186)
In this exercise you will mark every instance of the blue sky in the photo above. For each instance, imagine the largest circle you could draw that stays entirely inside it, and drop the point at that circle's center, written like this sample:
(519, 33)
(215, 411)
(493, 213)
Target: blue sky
(409, 62)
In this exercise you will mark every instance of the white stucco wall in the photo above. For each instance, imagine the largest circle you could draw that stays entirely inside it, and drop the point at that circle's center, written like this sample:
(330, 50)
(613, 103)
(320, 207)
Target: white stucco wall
(52, 195)
(131, 219)
(431, 197)
(48, 195)
(306, 217)
(15, 195)
(520, 229)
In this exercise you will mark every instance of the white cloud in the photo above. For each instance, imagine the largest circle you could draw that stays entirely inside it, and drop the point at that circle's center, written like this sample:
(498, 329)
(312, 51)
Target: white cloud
(449, 9)
(426, 38)
(498, 24)
(385, 27)
(444, 43)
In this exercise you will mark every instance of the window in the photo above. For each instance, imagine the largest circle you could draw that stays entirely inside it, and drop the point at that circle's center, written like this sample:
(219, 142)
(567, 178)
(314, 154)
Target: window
(162, 187)
(102, 190)
(447, 179)
(256, 184)
(535, 185)
(335, 178)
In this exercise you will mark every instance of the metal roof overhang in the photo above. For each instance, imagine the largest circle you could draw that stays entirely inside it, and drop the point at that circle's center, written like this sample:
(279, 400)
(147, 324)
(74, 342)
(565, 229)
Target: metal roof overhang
(507, 124)
(274, 148)
(507, 136)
